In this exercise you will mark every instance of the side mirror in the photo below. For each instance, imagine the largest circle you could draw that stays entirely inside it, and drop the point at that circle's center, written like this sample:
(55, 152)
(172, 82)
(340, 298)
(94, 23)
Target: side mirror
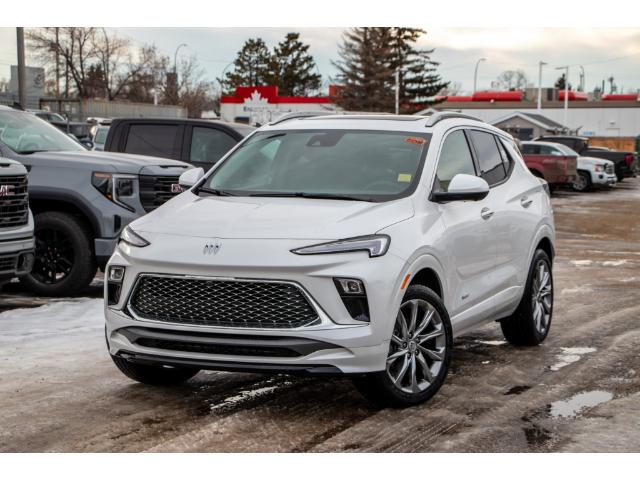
(189, 178)
(88, 144)
(463, 187)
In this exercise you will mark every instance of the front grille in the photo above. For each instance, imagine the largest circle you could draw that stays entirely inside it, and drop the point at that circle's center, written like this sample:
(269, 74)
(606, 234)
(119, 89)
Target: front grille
(8, 262)
(156, 190)
(195, 347)
(14, 201)
(609, 168)
(221, 303)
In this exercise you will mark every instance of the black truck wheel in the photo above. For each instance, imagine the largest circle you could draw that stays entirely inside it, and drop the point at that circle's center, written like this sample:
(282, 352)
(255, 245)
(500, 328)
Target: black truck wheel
(65, 264)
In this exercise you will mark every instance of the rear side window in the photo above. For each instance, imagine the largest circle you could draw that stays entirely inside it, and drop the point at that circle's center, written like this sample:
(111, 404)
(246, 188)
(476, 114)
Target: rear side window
(455, 158)
(491, 165)
(529, 149)
(507, 161)
(208, 145)
(154, 140)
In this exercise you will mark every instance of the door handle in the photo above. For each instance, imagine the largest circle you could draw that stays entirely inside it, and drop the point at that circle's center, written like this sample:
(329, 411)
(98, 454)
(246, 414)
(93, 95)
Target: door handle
(486, 213)
(525, 202)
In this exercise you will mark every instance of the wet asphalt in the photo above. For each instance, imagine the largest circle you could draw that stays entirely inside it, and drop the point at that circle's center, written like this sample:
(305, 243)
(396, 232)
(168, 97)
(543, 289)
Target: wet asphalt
(579, 391)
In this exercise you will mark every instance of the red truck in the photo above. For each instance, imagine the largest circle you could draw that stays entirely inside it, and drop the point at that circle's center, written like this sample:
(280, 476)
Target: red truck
(554, 162)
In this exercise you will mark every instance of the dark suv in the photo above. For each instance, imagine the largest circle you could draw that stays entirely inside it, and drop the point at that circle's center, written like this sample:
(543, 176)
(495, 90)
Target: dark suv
(197, 141)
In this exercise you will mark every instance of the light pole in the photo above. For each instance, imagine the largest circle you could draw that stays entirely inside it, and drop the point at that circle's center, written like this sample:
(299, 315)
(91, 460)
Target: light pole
(582, 79)
(475, 74)
(566, 92)
(540, 65)
(397, 91)
(175, 58)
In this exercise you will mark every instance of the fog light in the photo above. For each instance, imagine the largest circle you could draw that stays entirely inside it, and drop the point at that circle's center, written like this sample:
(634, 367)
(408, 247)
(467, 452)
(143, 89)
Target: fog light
(116, 274)
(354, 297)
(350, 286)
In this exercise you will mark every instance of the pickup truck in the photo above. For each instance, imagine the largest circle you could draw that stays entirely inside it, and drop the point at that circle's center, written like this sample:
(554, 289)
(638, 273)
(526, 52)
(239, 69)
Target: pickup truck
(626, 163)
(199, 142)
(81, 200)
(553, 162)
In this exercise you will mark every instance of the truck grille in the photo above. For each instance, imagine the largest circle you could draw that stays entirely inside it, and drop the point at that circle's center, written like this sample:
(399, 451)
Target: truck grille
(221, 303)
(155, 190)
(14, 201)
(610, 169)
(8, 262)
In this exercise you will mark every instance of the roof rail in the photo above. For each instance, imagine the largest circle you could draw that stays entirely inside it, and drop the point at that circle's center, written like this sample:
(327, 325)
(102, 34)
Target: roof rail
(293, 115)
(439, 116)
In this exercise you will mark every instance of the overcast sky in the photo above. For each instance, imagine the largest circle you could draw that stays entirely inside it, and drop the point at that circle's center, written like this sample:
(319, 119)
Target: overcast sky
(602, 52)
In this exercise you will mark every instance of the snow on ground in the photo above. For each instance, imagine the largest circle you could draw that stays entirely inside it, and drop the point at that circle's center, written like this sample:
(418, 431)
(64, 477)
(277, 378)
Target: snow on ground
(59, 318)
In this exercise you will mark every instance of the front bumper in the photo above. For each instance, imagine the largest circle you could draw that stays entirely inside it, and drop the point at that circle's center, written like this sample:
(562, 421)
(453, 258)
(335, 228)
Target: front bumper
(338, 343)
(603, 178)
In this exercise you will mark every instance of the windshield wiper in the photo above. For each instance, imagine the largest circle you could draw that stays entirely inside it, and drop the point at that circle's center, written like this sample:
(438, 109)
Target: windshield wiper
(327, 196)
(215, 191)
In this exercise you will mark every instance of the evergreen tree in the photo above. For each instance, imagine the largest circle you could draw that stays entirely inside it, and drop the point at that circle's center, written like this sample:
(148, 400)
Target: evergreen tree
(560, 83)
(252, 66)
(293, 67)
(365, 70)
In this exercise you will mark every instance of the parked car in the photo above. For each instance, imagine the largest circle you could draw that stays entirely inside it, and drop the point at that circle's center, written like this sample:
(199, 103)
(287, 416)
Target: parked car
(199, 142)
(100, 137)
(594, 172)
(337, 244)
(80, 130)
(626, 163)
(16, 222)
(81, 200)
(553, 162)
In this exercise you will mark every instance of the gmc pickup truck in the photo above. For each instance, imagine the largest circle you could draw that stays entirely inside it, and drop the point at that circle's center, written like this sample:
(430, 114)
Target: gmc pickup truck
(626, 163)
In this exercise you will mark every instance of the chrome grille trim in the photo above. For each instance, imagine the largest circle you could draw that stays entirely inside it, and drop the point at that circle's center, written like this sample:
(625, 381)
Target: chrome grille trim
(319, 318)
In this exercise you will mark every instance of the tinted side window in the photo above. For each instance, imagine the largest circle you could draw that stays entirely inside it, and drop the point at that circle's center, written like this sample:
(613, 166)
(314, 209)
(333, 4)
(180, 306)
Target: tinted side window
(507, 161)
(455, 158)
(491, 166)
(208, 145)
(531, 149)
(154, 140)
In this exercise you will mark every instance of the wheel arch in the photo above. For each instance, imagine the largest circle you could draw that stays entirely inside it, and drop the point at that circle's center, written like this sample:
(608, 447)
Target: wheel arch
(67, 204)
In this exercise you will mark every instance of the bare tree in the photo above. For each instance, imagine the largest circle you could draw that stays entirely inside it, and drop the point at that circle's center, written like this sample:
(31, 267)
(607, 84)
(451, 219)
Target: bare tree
(513, 79)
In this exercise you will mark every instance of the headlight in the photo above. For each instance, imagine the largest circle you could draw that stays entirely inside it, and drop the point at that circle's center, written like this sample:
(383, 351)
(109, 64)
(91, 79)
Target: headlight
(376, 245)
(117, 188)
(132, 238)
(599, 168)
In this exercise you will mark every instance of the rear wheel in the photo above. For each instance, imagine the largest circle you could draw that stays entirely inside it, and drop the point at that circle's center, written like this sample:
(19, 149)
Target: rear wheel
(64, 262)
(582, 181)
(154, 374)
(419, 353)
(530, 323)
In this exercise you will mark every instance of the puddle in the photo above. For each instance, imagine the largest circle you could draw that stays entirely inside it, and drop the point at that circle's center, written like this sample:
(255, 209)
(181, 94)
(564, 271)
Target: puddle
(570, 355)
(573, 406)
(517, 390)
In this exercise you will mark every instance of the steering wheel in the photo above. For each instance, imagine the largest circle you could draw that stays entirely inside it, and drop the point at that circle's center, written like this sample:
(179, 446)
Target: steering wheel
(381, 183)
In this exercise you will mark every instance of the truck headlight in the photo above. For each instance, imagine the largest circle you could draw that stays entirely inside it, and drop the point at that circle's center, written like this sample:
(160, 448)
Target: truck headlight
(130, 237)
(375, 245)
(599, 168)
(120, 189)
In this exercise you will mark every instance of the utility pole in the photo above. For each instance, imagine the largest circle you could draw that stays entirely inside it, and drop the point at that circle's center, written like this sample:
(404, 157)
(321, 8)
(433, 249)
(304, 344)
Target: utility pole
(540, 65)
(475, 74)
(566, 92)
(22, 72)
(397, 91)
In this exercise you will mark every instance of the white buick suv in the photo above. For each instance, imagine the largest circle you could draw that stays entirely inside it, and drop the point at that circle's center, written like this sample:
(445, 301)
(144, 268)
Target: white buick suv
(337, 244)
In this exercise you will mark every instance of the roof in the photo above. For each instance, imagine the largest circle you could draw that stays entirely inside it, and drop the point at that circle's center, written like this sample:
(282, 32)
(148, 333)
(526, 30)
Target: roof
(535, 118)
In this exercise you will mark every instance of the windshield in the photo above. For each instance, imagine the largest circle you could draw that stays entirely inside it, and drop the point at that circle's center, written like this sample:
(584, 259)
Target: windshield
(25, 133)
(566, 150)
(101, 135)
(356, 165)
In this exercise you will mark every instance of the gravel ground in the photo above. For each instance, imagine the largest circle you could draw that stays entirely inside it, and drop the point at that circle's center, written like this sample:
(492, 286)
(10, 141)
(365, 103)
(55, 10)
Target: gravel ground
(579, 391)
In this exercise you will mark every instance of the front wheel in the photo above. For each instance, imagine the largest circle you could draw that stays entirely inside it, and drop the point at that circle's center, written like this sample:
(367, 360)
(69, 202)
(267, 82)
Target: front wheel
(530, 323)
(582, 182)
(419, 353)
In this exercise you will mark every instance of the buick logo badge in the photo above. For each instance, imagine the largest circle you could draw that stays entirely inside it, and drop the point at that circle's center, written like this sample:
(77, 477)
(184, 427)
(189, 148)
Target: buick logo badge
(212, 247)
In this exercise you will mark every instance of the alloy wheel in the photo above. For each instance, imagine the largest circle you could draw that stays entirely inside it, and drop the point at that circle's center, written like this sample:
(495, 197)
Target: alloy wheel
(54, 256)
(417, 350)
(580, 183)
(542, 296)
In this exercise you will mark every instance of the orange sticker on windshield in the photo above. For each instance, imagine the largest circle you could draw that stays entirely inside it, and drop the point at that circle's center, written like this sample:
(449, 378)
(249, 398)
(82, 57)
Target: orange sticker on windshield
(415, 140)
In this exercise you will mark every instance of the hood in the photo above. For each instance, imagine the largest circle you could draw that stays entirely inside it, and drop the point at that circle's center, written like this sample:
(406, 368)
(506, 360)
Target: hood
(592, 161)
(274, 218)
(117, 162)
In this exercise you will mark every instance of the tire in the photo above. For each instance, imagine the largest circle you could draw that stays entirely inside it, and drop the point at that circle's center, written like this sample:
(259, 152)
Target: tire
(526, 326)
(583, 182)
(413, 385)
(65, 264)
(154, 374)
